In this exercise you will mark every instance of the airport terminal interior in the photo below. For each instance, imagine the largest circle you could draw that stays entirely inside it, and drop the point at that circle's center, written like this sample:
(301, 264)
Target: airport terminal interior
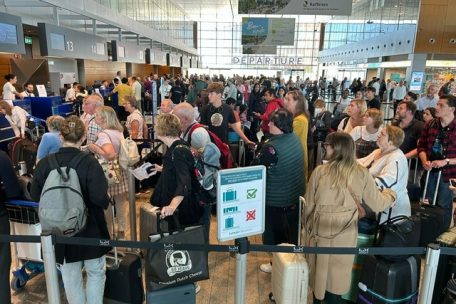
(247, 124)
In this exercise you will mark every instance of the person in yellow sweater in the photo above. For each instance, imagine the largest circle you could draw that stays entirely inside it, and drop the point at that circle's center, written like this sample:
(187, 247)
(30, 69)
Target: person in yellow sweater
(296, 103)
(123, 90)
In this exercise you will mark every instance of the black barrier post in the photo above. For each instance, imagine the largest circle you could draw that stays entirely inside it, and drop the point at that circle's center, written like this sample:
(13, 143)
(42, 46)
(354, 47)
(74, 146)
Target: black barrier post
(243, 247)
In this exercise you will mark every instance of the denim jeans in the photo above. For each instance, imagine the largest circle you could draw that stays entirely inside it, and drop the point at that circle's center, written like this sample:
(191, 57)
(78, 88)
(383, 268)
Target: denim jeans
(74, 285)
(444, 196)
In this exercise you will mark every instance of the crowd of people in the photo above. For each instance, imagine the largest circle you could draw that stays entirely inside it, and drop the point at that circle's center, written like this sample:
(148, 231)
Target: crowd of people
(365, 160)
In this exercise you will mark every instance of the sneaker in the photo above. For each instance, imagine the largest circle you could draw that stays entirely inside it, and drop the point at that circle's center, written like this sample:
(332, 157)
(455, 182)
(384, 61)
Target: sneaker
(266, 267)
(197, 288)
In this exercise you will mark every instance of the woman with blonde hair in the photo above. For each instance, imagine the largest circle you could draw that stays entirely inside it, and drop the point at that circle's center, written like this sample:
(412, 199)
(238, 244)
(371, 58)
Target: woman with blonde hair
(365, 136)
(16, 116)
(50, 142)
(107, 147)
(388, 165)
(296, 103)
(330, 216)
(355, 111)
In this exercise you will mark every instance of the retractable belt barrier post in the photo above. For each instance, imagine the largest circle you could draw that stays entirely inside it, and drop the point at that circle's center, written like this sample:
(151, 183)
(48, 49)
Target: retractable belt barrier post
(430, 271)
(50, 273)
(132, 203)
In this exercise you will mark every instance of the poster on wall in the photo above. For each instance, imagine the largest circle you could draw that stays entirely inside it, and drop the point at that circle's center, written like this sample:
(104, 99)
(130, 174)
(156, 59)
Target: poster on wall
(259, 49)
(416, 81)
(268, 31)
(295, 7)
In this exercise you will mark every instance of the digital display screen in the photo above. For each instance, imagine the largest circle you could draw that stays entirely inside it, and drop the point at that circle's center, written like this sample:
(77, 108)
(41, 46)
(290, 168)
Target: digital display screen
(57, 41)
(100, 48)
(120, 52)
(8, 33)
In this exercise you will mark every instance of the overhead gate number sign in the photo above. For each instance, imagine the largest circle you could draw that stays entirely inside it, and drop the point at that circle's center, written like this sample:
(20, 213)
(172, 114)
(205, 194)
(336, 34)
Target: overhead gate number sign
(240, 202)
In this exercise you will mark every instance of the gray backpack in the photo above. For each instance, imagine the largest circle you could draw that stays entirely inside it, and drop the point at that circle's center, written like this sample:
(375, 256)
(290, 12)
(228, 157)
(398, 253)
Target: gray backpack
(62, 210)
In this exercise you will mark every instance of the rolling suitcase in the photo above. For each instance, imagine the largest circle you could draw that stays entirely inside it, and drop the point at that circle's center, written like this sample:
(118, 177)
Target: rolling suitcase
(123, 277)
(148, 222)
(290, 278)
(446, 268)
(175, 295)
(389, 282)
(432, 216)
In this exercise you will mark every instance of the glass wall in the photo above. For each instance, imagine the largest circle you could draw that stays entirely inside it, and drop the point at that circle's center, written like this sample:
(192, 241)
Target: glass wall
(371, 18)
(161, 15)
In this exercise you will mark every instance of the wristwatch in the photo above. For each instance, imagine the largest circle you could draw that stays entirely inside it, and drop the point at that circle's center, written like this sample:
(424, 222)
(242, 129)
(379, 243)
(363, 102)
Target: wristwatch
(447, 161)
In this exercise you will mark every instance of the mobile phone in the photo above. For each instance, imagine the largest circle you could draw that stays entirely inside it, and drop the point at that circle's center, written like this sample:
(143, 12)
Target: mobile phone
(453, 182)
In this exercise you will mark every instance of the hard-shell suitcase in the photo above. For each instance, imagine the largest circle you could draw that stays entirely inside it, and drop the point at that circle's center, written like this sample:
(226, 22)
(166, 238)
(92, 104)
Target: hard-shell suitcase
(148, 222)
(432, 216)
(366, 234)
(124, 280)
(290, 278)
(123, 276)
(175, 295)
(446, 268)
(389, 282)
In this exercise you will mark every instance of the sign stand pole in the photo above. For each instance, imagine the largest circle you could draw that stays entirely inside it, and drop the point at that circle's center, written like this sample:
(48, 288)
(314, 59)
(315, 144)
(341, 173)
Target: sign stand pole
(241, 269)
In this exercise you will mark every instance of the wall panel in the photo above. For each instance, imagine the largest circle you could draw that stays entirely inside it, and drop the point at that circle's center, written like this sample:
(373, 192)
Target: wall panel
(100, 70)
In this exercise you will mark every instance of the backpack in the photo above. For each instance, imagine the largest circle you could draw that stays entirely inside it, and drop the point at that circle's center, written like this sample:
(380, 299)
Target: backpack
(202, 196)
(62, 210)
(226, 162)
(128, 154)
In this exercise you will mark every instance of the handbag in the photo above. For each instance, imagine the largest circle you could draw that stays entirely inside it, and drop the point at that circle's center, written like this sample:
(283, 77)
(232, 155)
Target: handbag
(169, 268)
(111, 171)
(399, 231)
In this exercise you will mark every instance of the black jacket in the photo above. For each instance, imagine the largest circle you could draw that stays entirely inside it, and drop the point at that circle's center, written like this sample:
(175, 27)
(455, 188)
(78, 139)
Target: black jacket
(177, 179)
(94, 188)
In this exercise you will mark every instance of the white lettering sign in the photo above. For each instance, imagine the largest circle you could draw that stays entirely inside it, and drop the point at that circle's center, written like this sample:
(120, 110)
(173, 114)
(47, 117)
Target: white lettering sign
(267, 60)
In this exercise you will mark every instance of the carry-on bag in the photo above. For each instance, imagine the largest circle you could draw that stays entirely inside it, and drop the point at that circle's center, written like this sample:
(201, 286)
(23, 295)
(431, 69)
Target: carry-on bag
(290, 277)
(123, 277)
(170, 268)
(389, 282)
(148, 222)
(176, 295)
(432, 216)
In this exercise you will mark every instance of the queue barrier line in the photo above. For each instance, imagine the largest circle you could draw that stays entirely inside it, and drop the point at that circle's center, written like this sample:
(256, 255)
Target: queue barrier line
(432, 252)
(225, 248)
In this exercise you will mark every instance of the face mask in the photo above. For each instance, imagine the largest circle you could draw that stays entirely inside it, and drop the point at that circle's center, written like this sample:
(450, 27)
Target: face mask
(317, 111)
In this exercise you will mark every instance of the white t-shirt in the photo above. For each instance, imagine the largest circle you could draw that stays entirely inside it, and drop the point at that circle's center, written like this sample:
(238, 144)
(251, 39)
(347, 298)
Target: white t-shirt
(8, 91)
(109, 136)
(361, 132)
(136, 115)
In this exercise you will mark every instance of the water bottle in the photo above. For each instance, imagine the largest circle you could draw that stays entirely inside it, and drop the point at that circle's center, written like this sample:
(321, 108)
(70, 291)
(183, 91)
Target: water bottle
(22, 168)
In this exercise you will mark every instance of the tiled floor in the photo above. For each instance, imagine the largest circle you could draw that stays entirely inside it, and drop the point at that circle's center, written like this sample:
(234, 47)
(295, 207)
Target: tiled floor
(217, 290)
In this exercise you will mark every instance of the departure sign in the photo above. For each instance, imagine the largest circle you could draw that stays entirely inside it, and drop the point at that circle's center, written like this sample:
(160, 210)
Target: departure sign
(63, 42)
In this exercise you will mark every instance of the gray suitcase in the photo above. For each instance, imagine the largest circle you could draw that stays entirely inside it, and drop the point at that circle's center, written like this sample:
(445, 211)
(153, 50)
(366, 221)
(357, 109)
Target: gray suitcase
(148, 222)
(175, 295)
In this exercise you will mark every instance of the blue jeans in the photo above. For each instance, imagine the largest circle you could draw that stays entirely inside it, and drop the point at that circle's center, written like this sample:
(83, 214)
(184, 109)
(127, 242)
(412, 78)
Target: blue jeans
(74, 285)
(444, 196)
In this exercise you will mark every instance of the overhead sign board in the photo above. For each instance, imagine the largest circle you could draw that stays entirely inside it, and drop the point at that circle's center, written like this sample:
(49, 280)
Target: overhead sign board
(241, 194)
(11, 34)
(185, 61)
(127, 52)
(63, 42)
(268, 31)
(268, 60)
(296, 7)
(154, 56)
(174, 60)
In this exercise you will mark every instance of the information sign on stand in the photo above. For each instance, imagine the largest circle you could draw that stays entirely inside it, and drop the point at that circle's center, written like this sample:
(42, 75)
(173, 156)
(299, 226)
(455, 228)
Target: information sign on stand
(41, 90)
(240, 202)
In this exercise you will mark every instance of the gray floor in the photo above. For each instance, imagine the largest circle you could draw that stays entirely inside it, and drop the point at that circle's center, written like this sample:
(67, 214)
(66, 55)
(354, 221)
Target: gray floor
(219, 289)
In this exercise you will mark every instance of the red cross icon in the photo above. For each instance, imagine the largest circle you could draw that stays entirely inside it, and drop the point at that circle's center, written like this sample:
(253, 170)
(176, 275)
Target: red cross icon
(251, 215)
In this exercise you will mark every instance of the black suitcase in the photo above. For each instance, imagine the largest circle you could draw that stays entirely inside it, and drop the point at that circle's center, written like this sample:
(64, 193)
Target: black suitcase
(124, 280)
(432, 216)
(389, 282)
(123, 275)
(175, 295)
(446, 268)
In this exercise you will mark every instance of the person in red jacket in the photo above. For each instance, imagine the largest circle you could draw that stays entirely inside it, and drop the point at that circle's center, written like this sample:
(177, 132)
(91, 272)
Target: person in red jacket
(273, 103)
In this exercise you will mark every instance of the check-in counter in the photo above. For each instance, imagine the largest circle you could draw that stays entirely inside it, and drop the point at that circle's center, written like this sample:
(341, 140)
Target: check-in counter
(41, 107)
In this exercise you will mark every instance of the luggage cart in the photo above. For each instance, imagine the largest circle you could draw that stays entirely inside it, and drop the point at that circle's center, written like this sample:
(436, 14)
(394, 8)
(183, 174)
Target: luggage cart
(23, 216)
